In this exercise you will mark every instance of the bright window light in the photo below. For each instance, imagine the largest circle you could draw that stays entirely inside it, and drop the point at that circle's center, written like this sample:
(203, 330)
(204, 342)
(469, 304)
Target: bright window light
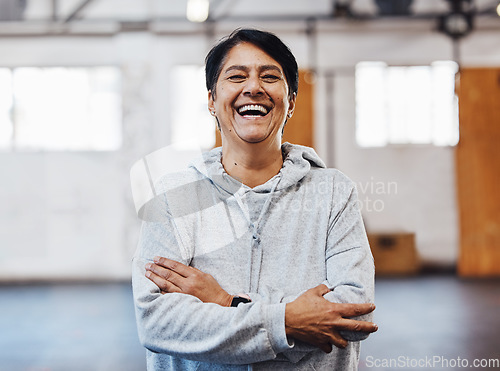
(406, 105)
(61, 109)
(6, 100)
(192, 126)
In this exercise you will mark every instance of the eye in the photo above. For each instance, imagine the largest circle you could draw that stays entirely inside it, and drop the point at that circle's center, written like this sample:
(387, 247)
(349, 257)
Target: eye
(270, 78)
(236, 78)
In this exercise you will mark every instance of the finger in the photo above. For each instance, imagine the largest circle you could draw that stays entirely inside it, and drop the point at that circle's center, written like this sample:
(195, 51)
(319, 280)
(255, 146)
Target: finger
(353, 310)
(173, 265)
(195, 269)
(353, 325)
(320, 290)
(340, 343)
(164, 285)
(165, 273)
(325, 347)
(337, 340)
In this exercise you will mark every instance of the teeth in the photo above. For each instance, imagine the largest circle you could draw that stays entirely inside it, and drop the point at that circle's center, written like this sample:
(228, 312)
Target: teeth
(253, 107)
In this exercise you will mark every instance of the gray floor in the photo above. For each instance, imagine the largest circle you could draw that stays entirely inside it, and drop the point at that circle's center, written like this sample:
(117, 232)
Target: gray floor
(68, 328)
(91, 327)
(436, 318)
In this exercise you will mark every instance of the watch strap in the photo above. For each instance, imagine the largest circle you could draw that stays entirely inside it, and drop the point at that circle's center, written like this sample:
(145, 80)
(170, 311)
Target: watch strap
(238, 300)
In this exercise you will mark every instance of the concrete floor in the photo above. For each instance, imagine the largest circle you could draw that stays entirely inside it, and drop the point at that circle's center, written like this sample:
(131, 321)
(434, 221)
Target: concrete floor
(64, 327)
(444, 319)
(91, 327)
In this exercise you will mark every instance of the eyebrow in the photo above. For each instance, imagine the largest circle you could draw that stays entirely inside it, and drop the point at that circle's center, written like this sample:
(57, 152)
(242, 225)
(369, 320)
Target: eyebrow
(246, 69)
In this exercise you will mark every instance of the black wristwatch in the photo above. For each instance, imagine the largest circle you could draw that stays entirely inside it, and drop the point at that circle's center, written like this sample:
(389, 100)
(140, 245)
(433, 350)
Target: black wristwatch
(238, 300)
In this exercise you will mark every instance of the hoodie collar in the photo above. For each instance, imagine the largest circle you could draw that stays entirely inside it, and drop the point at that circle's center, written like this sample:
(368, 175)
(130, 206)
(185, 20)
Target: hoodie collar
(298, 161)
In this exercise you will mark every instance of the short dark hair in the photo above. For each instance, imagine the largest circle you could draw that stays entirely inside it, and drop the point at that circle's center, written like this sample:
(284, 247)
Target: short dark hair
(267, 41)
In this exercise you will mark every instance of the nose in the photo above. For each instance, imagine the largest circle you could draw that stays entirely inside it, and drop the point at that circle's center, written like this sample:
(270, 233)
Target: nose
(253, 87)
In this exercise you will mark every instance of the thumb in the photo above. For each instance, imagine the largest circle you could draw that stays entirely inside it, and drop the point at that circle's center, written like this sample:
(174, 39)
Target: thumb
(320, 290)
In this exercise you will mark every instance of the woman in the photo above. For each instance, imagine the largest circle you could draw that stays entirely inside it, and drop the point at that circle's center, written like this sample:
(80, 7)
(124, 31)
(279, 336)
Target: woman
(261, 246)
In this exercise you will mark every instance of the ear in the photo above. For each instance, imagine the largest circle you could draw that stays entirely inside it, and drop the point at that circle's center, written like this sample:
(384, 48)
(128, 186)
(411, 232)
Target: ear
(211, 101)
(291, 105)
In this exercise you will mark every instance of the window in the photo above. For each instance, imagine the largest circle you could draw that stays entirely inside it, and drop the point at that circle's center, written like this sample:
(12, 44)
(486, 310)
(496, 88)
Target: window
(60, 108)
(406, 105)
(192, 126)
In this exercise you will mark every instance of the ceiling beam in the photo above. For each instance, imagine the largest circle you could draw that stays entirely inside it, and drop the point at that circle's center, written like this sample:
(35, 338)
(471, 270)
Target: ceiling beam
(77, 10)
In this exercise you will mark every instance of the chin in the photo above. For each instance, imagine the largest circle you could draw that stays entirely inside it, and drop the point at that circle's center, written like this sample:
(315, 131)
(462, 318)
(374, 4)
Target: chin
(253, 136)
(250, 139)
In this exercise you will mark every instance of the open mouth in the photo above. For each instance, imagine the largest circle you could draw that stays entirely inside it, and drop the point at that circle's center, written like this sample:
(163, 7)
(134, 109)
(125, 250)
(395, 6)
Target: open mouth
(253, 110)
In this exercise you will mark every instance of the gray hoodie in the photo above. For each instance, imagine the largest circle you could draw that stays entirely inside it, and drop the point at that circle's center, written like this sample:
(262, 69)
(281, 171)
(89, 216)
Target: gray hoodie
(272, 242)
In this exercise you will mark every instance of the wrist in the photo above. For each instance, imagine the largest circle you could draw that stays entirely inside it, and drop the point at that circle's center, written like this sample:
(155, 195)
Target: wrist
(225, 299)
(289, 329)
(229, 300)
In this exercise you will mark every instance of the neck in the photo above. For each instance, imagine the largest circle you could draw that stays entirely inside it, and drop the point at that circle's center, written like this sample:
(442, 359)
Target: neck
(253, 164)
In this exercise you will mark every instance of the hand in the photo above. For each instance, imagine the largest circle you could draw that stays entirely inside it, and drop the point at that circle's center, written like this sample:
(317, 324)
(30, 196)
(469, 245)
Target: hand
(172, 276)
(313, 319)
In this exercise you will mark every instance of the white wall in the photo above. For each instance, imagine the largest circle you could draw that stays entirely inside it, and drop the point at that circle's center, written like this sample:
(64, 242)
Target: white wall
(71, 215)
(406, 188)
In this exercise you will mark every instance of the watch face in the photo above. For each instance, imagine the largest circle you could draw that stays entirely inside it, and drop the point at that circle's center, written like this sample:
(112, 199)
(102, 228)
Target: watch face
(238, 300)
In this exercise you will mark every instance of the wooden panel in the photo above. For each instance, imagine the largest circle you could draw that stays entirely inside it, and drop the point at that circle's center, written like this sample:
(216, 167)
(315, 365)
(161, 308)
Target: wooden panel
(300, 128)
(394, 253)
(478, 172)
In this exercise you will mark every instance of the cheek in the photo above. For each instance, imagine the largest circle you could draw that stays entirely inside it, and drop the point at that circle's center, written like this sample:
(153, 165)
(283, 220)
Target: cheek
(281, 97)
(283, 103)
(227, 96)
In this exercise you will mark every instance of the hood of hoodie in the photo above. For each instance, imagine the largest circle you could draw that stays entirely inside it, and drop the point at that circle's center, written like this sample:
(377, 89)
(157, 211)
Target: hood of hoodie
(173, 195)
(298, 161)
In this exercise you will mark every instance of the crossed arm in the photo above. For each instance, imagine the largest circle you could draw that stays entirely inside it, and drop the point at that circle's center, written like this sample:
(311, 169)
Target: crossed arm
(195, 308)
(309, 318)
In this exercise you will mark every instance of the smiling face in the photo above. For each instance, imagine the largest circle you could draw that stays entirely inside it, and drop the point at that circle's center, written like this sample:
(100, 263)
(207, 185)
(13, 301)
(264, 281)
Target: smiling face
(252, 100)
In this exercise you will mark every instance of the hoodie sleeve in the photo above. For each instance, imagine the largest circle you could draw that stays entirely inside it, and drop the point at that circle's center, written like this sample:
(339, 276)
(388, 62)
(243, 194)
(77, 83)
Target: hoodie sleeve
(182, 326)
(349, 262)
